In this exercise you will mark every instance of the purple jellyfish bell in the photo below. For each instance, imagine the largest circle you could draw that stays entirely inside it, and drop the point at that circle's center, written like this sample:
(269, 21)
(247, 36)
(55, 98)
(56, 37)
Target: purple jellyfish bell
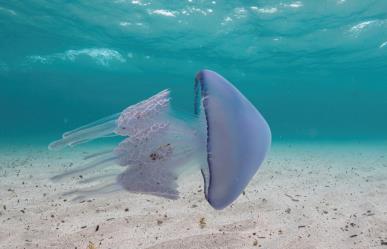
(238, 138)
(227, 139)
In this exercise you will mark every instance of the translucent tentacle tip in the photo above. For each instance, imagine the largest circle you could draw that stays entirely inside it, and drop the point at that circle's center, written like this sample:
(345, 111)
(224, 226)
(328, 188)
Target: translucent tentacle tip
(226, 138)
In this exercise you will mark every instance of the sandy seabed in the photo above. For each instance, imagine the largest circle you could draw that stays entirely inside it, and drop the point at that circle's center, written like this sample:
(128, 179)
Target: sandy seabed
(304, 196)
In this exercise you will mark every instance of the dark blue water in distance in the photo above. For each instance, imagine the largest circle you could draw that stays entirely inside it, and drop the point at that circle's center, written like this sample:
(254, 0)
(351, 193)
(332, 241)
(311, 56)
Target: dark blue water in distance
(317, 70)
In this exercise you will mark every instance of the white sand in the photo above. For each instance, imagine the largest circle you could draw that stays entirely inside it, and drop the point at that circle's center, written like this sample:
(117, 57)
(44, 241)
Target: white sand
(304, 196)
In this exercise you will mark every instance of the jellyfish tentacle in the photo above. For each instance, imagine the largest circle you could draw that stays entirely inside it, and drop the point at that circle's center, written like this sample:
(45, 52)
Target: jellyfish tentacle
(97, 154)
(92, 124)
(84, 135)
(94, 191)
(98, 178)
(99, 161)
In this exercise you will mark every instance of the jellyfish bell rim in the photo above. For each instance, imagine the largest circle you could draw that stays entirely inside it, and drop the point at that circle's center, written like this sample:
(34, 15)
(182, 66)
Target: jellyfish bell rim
(238, 138)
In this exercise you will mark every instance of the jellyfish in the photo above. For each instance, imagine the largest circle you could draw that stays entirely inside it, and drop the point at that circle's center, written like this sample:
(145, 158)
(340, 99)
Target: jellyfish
(225, 138)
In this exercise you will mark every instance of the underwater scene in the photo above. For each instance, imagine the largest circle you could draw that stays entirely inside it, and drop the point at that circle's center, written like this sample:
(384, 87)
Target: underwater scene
(193, 124)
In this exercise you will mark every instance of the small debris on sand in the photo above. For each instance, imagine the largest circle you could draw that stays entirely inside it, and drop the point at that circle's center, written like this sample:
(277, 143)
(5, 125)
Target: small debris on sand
(202, 222)
(91, 245)
(292, 198)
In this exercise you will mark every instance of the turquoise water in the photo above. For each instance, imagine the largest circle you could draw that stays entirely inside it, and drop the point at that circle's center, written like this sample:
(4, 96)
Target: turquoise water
(317, 70)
